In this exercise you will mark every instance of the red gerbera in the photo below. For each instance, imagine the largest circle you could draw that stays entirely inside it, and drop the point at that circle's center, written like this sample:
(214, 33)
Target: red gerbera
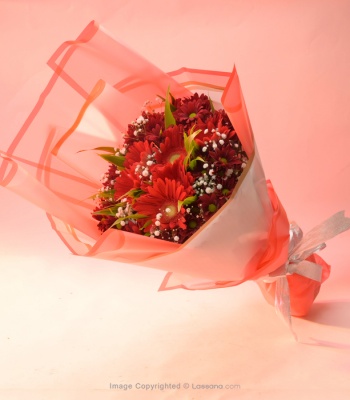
(126, 181)
(173, 146)
(138, 152)
(176, 172)
(162, 201)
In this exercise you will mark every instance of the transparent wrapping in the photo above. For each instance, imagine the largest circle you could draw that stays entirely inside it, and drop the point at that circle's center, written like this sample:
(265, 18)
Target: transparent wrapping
(98, 86)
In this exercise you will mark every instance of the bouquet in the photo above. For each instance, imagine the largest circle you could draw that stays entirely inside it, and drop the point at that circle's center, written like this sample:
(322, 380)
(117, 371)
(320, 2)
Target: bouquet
(175, 170)
(183, 188)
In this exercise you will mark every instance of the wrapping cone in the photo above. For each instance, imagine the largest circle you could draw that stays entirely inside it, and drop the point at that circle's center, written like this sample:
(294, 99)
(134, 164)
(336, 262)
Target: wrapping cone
(87, 107)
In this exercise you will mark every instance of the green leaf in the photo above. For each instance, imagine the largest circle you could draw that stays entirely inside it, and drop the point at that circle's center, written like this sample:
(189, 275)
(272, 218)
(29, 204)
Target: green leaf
(192, 164)
(211, 104)
(172, 107)
(134, 193)
(190, 145)
(135, 216)
(107, 149)
(189, 200)
(172, 104)
(132, 216)
(148, 223)
(110, 211)
(168, 115)
(103, 212)
(116, 160)
(172, 98)
(105, 195)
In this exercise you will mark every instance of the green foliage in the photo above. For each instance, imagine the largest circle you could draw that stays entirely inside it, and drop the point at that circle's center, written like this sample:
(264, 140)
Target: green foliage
(127, 217)
(168, 114)
(116, 160)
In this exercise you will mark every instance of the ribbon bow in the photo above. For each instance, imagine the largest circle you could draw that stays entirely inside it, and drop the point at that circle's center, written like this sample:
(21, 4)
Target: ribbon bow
(300, 248)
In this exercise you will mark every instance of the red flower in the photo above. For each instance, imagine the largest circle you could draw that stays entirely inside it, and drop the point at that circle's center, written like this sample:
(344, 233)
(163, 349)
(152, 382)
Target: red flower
(133, 227)
(138, 152)
(173, 146)
(193, 107)
(105, 221)
(228, 185)
(155, 181)
(175, 171)
(206, 129)
(214, 128)
(162, 200)
(225, 157)
(147, 127)
(210, 204)
(154, 127)
(126, 181)
(225, 120)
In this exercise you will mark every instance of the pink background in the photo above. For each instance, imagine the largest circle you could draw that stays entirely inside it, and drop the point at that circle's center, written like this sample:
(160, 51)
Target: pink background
(70, 326)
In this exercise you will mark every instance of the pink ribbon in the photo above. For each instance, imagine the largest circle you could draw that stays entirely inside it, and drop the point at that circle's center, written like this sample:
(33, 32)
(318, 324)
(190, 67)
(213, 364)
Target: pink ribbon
(300, 248)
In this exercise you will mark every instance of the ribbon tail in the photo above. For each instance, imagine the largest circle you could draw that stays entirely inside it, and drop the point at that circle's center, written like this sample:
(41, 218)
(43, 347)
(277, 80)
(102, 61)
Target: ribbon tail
(314, 239)
(282, 303)
(306, 268)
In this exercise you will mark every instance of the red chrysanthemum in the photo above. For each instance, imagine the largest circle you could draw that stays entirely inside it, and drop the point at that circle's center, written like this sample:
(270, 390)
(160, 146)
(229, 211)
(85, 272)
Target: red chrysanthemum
(163, 198)
(214, 128)
(225, 157)
(228, 185)
(133, 227)
(189, 109)
(148, 126)
(225, 120)
(105, 221)
(154, 127)
(209, 204)
(206, 129)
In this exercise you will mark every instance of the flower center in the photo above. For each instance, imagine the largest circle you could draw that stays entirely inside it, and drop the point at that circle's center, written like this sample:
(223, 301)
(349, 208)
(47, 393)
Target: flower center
(174, 157)
(170, 211)
(223, 160)
(192, 224)
(192, 115)
(212, 208)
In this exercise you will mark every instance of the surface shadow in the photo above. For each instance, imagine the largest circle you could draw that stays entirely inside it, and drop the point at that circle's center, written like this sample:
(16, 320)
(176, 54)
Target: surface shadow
(333, 313)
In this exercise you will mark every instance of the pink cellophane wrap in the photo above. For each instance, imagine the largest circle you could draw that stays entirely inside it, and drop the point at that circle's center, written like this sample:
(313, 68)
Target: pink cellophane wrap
(97, 88)
(303, 290)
